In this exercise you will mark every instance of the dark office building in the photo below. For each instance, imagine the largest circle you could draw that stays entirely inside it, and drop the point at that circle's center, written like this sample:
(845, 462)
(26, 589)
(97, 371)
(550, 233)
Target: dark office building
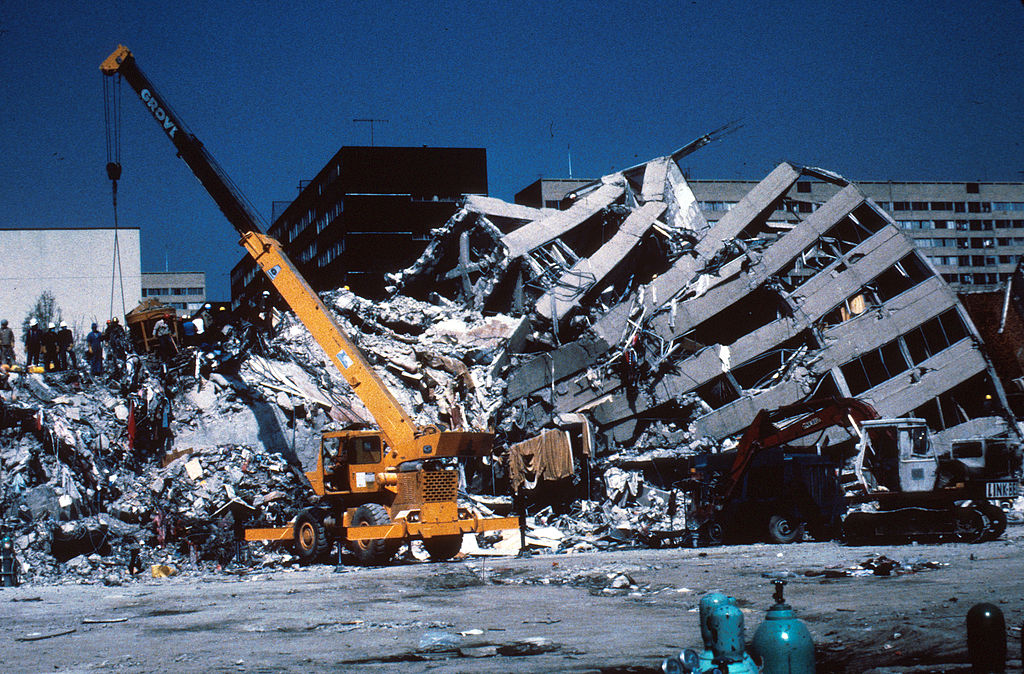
(368, 212)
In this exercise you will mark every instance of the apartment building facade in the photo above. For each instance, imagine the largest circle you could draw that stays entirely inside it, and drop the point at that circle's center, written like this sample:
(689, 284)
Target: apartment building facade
(368, 212)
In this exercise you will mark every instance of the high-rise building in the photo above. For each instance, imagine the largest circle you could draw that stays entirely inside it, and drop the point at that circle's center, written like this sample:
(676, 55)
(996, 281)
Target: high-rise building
(369, 211)
(972, 232)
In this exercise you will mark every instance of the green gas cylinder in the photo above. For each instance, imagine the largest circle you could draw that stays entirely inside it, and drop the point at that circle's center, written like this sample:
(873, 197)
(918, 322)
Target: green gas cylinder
(782, 643)
(708, 603)
(727, 641)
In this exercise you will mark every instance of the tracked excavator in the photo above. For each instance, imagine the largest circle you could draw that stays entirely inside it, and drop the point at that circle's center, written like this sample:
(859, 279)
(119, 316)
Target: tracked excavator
(372, 489)
(905, 488)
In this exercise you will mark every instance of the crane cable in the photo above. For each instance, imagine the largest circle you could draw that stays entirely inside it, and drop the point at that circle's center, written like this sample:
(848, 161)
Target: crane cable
(112, 123)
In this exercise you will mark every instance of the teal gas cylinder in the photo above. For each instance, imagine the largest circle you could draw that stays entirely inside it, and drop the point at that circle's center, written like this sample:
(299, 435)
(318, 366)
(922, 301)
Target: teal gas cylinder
(708, 603)
(721, 629)
(727, 641)
(782, 643)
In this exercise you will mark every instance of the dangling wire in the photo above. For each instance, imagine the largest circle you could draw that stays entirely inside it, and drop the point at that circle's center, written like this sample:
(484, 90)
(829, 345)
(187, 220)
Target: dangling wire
(112, 122)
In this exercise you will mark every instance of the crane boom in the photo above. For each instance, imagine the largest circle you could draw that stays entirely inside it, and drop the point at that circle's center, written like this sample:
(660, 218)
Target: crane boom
(397, 427)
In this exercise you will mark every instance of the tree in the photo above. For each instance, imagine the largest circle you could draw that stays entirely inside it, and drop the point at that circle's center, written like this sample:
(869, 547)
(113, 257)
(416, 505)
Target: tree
(45, 312)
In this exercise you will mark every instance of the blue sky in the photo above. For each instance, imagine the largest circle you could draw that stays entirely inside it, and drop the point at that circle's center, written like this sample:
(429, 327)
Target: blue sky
(874, 91)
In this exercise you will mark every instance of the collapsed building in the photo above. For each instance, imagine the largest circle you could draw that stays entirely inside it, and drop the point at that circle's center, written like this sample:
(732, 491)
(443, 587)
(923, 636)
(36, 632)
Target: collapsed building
(637, 311)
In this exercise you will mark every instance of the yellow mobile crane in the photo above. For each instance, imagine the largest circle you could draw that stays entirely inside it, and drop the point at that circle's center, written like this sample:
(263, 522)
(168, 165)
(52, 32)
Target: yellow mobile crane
(374, 489)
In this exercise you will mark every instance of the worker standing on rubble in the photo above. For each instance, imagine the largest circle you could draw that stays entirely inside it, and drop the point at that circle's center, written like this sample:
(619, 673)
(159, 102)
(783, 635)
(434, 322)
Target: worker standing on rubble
(50, 348)
(116, 346)
(188, 331)
(66, 347)
(6, 344)
(33, 341)
(162, 333)
(94, 344)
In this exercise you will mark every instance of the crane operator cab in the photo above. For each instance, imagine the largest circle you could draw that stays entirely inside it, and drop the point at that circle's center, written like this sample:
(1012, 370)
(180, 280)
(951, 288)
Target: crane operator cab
(351, 461)
(898, 454)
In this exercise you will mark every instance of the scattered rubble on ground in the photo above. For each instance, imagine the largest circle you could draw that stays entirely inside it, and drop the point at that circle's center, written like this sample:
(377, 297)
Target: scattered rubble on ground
(605, 344)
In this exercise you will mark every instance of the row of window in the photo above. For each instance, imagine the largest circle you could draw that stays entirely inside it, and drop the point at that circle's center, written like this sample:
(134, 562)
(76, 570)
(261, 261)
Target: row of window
(973, 260)
(974, 243)
(714, 205)
(158, 292)
(961, 225)
(331, 253)
(977, 279)
(954, 206)
(910, 349)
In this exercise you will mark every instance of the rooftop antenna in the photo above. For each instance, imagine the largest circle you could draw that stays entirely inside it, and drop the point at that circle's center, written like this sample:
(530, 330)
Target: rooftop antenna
(569, 150)
(371, 121)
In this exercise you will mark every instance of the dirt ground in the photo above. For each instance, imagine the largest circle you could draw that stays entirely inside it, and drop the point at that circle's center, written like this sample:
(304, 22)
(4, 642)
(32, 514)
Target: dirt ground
(620, 611)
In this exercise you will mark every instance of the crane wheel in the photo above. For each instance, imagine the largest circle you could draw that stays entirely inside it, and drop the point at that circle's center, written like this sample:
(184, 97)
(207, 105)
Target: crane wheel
(441, 548)
(996, 520)
(376, 552)
(311, 541)
(784, 529)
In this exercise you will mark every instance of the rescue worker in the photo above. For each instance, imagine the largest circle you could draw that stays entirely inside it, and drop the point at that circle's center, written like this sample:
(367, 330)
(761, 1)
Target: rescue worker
(188, 331)
(66, 347)
(6, 344)
(162, 333)
(117, 346)
(33, 341)
(50, 348)
(94, 343)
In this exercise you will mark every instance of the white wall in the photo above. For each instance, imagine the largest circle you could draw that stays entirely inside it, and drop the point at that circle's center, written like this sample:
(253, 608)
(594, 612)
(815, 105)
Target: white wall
(73, 264)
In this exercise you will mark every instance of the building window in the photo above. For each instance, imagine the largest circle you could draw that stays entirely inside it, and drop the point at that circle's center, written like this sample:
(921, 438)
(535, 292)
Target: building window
(803, 186)
(901, 206)
(1008, 205)
(195, 291)
(973, 188)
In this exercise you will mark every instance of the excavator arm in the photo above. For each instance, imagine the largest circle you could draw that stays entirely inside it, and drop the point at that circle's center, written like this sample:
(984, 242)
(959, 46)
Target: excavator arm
(398, 429)
(763, 434)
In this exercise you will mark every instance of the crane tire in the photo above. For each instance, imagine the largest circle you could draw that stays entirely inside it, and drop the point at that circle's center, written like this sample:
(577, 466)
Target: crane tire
(376, 552)
(311, 542)
(441, 548)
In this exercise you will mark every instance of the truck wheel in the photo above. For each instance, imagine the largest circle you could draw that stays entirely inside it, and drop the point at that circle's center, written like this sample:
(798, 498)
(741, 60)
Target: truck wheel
(376, 552)
(441, 548)
(969, 525)
(714, 533)
(996, 520)
(784, 529)
(310, 536)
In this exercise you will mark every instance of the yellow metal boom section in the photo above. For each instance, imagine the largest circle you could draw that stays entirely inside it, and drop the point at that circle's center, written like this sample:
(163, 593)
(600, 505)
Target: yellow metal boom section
(397, 427)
